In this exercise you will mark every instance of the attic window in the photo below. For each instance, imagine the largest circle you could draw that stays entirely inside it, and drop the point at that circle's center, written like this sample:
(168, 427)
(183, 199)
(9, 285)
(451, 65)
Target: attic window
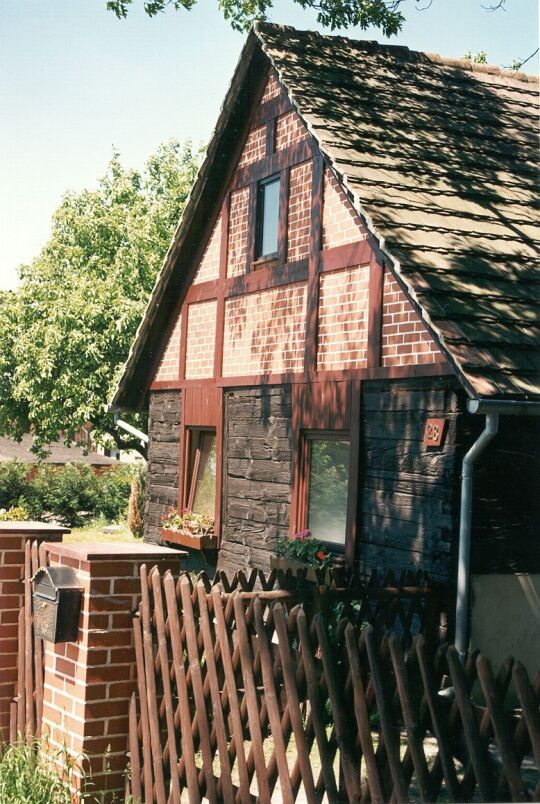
(266, 236)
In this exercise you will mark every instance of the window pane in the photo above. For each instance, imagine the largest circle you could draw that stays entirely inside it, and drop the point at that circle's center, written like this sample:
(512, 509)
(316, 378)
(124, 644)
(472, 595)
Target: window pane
(328, 483)
(268, 217)
(204, 499)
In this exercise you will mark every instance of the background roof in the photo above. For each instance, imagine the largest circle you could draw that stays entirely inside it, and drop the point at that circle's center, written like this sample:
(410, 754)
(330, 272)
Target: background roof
(59, 453)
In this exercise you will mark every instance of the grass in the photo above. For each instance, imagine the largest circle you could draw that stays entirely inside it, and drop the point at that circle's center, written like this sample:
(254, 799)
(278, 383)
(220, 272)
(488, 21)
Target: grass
(93, 532)
(27, 776)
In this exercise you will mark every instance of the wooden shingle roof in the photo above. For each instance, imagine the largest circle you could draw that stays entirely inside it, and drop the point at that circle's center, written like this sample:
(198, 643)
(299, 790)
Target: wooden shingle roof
(441, 160)
(438, 157)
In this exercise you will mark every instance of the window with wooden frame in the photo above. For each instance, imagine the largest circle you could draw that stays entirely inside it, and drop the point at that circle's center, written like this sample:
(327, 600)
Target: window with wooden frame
(267, 219)
(200, 475)
(324, 486)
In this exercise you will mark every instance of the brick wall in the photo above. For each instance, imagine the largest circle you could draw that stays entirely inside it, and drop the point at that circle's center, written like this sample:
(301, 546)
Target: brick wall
(289, 130)
(340, 222)
(209, 265)
(343, 314)
(272, 88)
(88, 682)
(265, 332)
(255, 147)
(238, 229)
(257, 475)
(405, 339)
(169, 366)
(201, 338)
(163, 459)
(299, 211)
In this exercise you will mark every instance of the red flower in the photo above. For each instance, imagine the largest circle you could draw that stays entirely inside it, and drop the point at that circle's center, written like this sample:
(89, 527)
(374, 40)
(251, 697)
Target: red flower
(321, 555)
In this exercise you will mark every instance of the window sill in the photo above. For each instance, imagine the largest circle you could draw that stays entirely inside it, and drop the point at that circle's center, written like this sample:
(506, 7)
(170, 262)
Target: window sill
(264, 262)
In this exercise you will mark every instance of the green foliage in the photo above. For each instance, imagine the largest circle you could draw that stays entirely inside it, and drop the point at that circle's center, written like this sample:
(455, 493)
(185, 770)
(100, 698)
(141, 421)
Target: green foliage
(66, 332)
(383, 14)
(476, 58)
(114, 490)
(71, 494)
(303, 547)
(15, 514)
(13, 483)
(28, 776)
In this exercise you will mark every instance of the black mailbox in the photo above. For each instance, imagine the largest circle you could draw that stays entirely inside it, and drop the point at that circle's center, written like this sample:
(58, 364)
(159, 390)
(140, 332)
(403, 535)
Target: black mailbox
(57, 602)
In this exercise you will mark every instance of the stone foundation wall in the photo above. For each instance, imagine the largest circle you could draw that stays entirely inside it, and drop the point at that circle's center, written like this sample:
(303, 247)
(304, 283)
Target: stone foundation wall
(257, 475)
(163, 459)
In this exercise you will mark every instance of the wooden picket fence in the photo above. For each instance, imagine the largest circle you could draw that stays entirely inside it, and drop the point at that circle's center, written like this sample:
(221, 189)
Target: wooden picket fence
(246, 695)
(27, 708)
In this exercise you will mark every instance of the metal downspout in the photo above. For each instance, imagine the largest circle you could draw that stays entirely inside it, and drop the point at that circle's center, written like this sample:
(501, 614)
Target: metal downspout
(462, 603)
(129, 428)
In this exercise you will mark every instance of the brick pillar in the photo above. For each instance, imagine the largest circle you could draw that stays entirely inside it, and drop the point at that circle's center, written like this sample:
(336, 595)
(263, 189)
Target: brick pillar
(13, 537)
(88, 683)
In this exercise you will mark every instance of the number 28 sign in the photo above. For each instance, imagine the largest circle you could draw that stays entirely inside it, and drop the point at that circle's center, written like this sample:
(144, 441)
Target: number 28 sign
(434, 432)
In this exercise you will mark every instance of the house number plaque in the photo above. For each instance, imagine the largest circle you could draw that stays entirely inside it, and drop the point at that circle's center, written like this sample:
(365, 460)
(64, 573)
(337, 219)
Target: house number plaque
(434, 432)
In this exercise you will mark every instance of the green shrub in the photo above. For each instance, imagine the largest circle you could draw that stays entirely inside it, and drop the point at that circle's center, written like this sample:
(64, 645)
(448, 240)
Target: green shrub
(113, 491)
(14, 483)
(73, 494)
(70, 493)
(27, 776)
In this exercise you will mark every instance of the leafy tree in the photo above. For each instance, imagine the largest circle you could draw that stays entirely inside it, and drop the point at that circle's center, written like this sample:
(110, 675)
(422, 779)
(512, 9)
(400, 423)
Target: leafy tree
(383, 14)
(66, 332)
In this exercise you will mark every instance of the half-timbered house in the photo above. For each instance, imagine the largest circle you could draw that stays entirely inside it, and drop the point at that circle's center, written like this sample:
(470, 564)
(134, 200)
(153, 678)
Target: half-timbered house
(356, 261)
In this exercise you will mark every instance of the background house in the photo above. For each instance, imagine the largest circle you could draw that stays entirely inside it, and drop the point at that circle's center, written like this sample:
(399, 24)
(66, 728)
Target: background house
(357, 260)
(59, 453)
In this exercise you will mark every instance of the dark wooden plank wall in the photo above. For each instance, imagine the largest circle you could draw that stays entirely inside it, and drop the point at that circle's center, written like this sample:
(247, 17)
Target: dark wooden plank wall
(257, 475)
(409, 495)
(163, 459)
(408, 492)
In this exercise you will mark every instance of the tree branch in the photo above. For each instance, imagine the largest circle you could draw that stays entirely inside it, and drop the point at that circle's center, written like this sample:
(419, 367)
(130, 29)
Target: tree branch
(517, 64)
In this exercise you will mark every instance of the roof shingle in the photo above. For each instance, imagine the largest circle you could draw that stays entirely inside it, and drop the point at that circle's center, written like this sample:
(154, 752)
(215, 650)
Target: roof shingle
(441, 160)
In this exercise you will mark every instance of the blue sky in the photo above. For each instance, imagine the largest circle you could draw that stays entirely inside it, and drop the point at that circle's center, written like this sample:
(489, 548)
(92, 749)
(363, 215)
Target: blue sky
(77, 82)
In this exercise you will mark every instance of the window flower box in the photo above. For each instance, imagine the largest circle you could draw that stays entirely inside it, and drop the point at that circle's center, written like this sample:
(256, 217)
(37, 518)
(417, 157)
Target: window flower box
(303, 556)
(294, 567)
(185, 538)
(188, 529)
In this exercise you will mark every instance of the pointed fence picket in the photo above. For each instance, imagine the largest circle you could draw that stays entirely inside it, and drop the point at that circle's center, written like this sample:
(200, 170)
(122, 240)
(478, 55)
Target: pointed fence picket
(249, 691)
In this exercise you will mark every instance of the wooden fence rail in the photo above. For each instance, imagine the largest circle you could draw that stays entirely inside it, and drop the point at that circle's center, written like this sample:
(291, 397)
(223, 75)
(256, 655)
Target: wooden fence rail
(27, 708)
(245, 695)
